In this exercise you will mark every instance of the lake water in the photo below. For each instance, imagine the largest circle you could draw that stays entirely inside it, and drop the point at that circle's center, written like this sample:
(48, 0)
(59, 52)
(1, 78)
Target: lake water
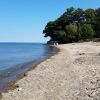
(18, 58)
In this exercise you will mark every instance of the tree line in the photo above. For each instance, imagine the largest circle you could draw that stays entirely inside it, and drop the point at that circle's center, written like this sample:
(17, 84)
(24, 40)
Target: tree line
(74, 25)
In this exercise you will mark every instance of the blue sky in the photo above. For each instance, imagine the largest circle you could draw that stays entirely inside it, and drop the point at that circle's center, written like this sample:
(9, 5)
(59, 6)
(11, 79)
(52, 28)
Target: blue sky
(24, 20)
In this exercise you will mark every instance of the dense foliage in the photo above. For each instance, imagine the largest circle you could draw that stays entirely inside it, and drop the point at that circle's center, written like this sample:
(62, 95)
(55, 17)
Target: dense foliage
(74, 25)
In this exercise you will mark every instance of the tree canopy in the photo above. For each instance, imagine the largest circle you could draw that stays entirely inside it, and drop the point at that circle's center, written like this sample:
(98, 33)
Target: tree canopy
(74, 25)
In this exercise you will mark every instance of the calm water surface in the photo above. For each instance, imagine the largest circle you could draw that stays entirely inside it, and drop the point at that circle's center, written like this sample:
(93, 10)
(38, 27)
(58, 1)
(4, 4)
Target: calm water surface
(18, 58)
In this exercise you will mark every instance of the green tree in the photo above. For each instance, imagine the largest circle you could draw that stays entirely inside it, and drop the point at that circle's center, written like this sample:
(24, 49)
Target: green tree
(87, 31)
(72, 33)
(90, 15)
(97, 22)
(73, 25)
(78, 14)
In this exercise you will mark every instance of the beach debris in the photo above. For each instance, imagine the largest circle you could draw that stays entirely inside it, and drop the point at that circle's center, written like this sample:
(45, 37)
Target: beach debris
(19, 89)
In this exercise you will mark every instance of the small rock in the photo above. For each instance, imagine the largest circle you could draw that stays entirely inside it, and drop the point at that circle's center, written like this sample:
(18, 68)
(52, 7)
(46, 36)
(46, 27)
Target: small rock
(98, 54)
(25, 74)
(86, 88)
(91, 82)
(89, 95)
(17, 86)
(98, 80)
(82, 54)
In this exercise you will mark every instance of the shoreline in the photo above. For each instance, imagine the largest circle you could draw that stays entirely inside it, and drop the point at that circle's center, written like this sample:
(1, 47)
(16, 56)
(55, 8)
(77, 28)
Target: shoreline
(12, 85)
(71, 74)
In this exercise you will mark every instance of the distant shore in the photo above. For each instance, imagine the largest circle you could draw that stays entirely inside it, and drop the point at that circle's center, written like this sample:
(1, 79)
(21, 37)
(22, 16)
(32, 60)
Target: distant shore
(72, 74)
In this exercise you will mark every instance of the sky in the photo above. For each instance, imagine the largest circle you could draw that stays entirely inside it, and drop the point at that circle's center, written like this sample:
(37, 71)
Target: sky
(24, 20)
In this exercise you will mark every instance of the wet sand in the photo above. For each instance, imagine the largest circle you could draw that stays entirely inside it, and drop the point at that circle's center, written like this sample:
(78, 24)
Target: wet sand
(72, 74)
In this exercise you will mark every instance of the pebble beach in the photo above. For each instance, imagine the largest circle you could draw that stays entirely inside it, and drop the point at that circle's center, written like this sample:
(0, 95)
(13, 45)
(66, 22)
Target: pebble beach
(71, 74)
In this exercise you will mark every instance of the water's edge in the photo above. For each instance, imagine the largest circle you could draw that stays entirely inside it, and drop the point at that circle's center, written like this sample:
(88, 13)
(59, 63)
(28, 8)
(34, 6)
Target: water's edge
(11, 85)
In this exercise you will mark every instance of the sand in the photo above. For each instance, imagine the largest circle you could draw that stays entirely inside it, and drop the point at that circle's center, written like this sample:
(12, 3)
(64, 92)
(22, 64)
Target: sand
(72, 74)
